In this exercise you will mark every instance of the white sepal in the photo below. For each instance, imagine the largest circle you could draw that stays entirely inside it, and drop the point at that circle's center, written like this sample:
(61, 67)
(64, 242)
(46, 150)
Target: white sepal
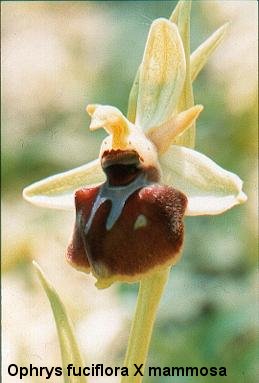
(57, 191)
(209, 188)
(162, 75)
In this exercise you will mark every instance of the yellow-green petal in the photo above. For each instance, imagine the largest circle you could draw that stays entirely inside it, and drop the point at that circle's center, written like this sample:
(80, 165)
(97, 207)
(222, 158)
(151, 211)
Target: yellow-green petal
(183, 11)
(164, 135)
(162, 75)
(201, 55)
(133, 99)
(175, 13)
(57, 191)
(70, 352)
(209, 188)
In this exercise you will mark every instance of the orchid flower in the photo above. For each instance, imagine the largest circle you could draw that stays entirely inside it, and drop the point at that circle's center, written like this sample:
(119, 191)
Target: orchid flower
(130, 202)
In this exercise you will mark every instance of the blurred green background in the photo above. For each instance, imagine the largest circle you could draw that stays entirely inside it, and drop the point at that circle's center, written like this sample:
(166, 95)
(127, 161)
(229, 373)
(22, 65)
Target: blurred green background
(56, 58)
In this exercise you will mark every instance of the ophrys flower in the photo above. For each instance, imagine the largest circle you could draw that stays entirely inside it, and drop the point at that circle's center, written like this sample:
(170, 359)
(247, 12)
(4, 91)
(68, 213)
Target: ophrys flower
(130, 202)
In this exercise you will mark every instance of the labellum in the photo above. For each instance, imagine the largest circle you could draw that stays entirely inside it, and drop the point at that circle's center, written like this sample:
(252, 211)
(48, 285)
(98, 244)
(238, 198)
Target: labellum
(130, 225)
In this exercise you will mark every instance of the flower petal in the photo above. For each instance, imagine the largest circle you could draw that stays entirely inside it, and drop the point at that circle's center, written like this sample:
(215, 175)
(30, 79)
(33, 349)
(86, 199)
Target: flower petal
(163, 136)
(209, 188)
(201, 55)
(186, 100)
(175, 14)
(162, 74)
(197, 61)
(133, 99)
(57, 191)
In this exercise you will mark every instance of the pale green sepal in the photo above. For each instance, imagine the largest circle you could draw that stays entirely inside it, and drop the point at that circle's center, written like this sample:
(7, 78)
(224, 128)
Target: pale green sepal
(57, 191)
(209, 188)
(162, 75)
(133, 99)
(186, 100)
(201, 55)
(175, 13)
(68, 345)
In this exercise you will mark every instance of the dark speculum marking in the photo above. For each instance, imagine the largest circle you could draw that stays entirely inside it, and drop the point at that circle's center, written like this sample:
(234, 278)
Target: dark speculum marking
(118, 196)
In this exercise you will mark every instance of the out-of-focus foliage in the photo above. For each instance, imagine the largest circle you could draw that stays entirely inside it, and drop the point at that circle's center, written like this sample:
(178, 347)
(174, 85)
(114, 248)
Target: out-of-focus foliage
(56, 58)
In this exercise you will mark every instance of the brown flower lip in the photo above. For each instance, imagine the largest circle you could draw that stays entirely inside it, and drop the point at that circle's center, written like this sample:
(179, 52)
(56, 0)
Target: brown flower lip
(146, 235)
(130, 225)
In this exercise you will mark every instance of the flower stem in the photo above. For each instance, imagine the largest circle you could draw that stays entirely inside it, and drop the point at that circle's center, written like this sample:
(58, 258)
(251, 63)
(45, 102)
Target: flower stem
(150, 292)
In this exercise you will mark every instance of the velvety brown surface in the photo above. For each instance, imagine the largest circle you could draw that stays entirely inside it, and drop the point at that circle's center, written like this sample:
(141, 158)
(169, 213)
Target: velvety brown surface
(127, 250)
(76, 253)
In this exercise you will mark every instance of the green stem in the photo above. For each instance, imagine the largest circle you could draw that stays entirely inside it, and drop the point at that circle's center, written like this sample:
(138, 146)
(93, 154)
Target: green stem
(150, 292)
(151, 288)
